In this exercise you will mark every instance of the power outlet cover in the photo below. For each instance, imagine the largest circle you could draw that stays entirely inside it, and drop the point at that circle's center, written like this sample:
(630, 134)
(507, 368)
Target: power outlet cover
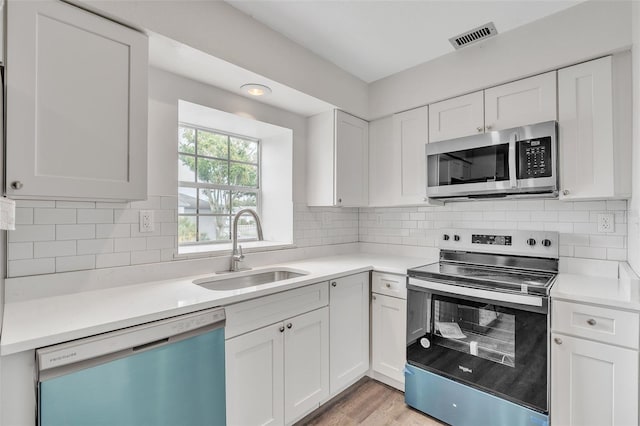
(606, 222)
(146, 221)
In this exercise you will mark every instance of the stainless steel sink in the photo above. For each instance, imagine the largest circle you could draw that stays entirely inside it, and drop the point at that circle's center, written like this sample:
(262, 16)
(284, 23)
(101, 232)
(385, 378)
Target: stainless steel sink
(247, 279)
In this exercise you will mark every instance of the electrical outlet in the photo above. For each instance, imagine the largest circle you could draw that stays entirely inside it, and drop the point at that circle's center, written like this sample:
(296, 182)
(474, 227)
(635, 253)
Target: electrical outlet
(606, 222)
(146, 221)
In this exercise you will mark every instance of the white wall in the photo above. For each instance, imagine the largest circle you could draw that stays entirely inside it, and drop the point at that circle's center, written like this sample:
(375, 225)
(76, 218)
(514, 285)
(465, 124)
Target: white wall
(213, 27)
(588, 30)
(634, 203)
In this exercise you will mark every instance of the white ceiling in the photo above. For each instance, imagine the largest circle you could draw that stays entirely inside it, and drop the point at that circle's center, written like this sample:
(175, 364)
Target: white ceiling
(372, 39)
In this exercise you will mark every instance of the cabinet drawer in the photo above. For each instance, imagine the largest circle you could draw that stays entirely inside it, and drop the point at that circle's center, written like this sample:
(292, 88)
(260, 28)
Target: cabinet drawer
(256, 313)
(389, 284)
(597, 323)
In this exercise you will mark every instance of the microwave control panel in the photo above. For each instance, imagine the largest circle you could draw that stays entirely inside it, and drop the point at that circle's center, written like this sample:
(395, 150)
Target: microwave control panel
(534, 158)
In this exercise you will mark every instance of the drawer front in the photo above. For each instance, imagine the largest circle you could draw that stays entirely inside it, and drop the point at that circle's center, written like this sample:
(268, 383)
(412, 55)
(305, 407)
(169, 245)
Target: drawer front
(597, 323)
(256, 313)
(389, 284)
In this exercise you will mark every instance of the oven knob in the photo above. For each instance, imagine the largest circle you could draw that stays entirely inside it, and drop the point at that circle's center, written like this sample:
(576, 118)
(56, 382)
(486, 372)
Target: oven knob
(546, 242)
(445, 237)
(531, 242)
(456, 237)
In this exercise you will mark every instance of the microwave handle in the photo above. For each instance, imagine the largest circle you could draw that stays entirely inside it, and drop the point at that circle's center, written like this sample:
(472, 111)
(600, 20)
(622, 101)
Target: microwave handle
(512, 160)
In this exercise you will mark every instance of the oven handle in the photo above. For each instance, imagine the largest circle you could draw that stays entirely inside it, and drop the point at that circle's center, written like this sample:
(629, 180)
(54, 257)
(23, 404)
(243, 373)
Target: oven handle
(517, 299)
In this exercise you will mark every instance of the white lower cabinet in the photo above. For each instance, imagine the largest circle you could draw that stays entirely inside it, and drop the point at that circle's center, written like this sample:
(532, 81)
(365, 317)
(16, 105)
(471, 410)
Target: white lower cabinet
(349, 330)
(593, 383)
(279, 373)
(388, 337)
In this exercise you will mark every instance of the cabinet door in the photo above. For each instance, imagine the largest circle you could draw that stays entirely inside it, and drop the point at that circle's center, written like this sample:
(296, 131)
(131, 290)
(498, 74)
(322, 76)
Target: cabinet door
(389, 322)
(352, 161)
(410, 135)
(306, 361)
(592, 383)
(585, 123)
(384, 164)
(457, 117)
(349, 330)
(528, 101)
(255, 377)
(77, 104)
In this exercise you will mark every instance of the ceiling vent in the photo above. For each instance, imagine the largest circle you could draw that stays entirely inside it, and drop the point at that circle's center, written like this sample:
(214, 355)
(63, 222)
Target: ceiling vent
(474, 36)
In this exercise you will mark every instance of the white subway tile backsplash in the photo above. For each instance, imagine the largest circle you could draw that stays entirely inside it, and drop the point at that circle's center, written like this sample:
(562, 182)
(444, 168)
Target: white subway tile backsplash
(35, 203)
(108, 230)
(95, 215)
(590, 252)
(75, 232)
(126, 216)
(152, 203)
(17, 251)
(26, 233)
(97, 246)
(160, 242)
(168, 202)
(147, 256)
(54, 248)
(112, 205)
(75, 263)
(18, 268)
(590, 205)
(130, 244)
(54, 216)
(110, 260)
(24, 216)
(617, 205)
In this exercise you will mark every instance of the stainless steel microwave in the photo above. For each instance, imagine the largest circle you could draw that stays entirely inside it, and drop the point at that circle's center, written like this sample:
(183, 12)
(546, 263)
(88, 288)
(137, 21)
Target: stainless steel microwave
(518, 162)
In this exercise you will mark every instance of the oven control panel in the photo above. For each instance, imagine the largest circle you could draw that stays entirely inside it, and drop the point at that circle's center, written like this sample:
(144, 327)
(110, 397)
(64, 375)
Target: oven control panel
(514, 242)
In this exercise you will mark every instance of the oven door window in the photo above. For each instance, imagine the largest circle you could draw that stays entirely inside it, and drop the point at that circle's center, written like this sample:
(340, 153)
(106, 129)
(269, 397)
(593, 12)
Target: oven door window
(498, 349)
(483, 164)
(485, 331)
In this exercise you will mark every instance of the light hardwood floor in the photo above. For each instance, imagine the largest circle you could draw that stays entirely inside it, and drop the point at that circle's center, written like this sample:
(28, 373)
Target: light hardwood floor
(368, 403)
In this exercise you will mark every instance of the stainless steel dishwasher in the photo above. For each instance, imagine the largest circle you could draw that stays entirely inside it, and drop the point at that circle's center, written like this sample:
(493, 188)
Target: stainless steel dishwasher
(165, 373)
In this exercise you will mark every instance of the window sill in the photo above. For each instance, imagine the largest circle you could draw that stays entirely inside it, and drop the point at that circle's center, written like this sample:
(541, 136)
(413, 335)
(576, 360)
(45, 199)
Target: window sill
(206, 250)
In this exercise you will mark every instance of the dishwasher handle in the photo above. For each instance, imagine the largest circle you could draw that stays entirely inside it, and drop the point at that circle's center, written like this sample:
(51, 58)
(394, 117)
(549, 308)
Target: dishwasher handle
(140, 337)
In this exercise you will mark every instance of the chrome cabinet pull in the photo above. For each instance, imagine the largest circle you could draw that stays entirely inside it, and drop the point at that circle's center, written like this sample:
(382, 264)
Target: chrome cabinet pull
(16, 185)
(565, 192)
(281, 329)
(479, 129)
(557, 340)
(374, 297)
(488, 127)
(289, 325)
(334, 284)
(591, 321)
(388, 285)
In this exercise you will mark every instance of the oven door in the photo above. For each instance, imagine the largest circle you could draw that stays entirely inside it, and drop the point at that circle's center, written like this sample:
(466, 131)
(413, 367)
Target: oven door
(497, 347)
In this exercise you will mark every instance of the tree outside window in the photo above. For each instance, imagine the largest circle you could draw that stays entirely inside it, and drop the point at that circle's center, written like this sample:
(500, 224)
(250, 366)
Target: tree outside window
(218, 175)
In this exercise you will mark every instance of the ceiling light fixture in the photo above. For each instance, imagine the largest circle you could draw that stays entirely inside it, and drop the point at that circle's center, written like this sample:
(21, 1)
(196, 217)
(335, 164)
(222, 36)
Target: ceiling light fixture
(256, 89)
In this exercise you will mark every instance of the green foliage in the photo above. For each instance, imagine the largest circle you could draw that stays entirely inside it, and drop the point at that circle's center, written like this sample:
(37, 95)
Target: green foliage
(186, 229)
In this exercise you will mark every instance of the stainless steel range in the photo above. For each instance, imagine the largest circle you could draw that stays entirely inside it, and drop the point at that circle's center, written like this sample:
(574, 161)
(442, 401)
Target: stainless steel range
(477, 328)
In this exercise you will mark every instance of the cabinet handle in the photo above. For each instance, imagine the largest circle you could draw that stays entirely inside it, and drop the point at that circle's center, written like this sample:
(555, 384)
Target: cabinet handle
(289, 325)
(16, 184)
(281, 329)
(334, 284)
(374, 297)
(565, 192)
(425, 199)
(479, 129)
(388, 285)
(488, 127)
(591, 321)
(339, 200)
(557, 340)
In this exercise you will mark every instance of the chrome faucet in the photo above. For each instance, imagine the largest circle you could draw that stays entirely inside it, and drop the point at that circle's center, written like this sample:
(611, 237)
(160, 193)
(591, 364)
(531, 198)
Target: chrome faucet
(236, 255)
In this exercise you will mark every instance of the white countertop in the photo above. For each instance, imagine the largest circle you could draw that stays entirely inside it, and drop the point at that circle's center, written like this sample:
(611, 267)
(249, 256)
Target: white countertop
(49, 320)
(623, 292)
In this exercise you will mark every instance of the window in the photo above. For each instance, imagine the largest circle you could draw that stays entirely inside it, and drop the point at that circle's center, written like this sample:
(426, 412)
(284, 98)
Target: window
(218, 175)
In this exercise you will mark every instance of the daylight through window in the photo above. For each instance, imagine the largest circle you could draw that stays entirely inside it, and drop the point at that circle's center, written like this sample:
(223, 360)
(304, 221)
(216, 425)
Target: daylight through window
(218, 175)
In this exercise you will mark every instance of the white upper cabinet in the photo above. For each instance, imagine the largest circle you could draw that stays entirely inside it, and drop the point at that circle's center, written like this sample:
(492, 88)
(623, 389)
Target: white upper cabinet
(594, 124)
(456, 117)
(528, 101)
(410, 134)
(397, 163)
(76, 104)
(337, 160)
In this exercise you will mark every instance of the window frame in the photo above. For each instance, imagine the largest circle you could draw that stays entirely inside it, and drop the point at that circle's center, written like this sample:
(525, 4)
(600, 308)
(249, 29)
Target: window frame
(257, 190)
